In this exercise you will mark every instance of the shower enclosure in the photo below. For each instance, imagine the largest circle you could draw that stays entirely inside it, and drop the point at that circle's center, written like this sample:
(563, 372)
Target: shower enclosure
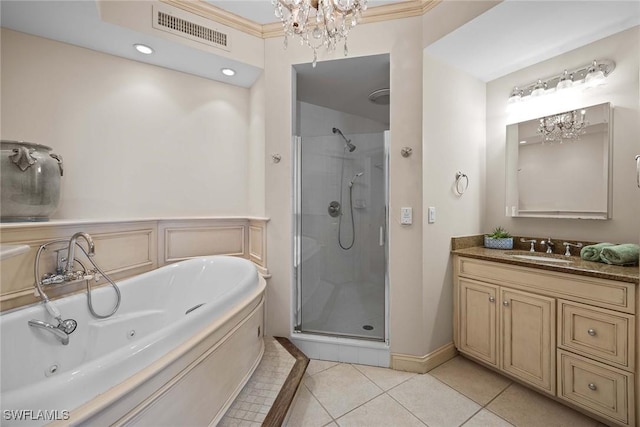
(340, 245)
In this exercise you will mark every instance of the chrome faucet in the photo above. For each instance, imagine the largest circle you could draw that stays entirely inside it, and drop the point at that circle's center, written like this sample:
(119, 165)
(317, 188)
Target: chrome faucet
(532, 241)
(549, 244)
(72, 248)
(61, 331)
(568, 245)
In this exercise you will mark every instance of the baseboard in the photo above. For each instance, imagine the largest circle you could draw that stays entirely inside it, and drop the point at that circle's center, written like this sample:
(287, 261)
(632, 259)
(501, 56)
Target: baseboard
(423, 364)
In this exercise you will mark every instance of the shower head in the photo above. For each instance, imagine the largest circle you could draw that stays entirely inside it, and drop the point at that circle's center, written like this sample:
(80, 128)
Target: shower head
(347, 142)
(359, 174)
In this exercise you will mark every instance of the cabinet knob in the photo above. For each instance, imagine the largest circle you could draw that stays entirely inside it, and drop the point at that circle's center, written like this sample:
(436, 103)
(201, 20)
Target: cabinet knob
(505, 303)
(592, 332)
(592, 386)
(492, 299)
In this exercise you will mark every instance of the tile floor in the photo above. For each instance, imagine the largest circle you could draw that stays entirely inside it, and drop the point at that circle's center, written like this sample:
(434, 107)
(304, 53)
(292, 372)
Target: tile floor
(254, 401)
(459, 392)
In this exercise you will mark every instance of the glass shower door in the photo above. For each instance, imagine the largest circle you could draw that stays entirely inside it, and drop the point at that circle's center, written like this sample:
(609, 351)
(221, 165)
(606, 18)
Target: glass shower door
(341, 235)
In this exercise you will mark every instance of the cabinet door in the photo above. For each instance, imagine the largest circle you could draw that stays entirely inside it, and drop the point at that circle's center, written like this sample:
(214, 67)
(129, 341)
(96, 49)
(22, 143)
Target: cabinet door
(478, 321)
(528, 338)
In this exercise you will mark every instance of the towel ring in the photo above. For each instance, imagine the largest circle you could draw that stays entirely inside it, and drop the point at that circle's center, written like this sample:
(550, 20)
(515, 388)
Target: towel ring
(462, 183)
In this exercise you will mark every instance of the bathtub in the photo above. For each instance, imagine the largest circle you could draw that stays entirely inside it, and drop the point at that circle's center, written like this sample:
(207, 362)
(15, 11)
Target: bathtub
(184, 342)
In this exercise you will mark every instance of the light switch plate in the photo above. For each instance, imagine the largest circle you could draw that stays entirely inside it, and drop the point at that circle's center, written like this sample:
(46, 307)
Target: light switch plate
(406, 216)
(431, 218)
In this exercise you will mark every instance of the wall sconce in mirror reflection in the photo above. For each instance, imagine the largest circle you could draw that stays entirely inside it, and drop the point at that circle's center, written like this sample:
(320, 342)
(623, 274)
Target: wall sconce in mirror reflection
(590, 75)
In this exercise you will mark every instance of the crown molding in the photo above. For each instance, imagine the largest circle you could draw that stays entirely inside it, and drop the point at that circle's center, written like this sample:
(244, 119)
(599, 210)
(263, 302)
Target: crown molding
(405, 9)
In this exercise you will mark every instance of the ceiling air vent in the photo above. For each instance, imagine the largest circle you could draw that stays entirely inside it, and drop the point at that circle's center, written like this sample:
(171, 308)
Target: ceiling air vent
(190, 27)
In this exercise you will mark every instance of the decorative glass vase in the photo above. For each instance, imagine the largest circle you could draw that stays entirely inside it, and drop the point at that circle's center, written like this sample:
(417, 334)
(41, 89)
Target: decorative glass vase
(30, 181)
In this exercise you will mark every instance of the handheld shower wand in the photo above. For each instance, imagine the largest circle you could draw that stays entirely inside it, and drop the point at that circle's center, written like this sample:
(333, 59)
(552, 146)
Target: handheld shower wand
(354, 178)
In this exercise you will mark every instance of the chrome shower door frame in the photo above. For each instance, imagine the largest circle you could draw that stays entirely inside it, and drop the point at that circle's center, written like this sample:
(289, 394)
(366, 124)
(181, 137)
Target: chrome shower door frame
(296, 324)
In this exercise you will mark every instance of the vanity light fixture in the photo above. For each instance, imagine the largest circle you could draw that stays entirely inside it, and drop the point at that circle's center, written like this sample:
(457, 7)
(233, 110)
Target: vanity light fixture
(595, 76)
(565, 82)
(319, 22)
(539, 88)
(516, 96)
(591, 74)
(143, 48)
(228, 72)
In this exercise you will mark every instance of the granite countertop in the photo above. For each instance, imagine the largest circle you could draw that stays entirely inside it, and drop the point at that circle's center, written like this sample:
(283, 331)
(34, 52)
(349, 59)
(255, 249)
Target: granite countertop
(578, 266)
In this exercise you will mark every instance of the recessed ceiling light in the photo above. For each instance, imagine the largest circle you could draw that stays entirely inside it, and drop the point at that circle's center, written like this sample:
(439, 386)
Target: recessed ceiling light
(228, 72)
(143, 48)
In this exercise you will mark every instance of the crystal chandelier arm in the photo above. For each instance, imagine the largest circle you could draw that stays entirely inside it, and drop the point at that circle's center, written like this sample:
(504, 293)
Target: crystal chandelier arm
(345, 10)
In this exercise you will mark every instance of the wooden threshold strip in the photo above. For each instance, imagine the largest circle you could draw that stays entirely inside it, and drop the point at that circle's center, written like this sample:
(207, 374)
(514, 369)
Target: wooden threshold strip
(279, 409)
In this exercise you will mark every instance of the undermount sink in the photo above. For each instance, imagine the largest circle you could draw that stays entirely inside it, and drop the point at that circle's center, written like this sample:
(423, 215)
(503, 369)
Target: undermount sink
(540, 258)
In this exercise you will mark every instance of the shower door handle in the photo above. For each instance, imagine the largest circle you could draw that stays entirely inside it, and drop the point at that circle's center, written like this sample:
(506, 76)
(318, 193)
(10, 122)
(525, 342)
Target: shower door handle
(381, 237)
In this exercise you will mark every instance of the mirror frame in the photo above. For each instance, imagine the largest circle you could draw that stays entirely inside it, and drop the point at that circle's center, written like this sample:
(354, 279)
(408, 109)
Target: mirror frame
(511, 180)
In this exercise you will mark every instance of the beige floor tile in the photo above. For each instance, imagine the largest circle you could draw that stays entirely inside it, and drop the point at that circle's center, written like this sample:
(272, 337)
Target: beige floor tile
(341, 388)
(471, 379)
(307, 411)
(433, 402)
(526, 408)
(382, 411)
(383, 377)
(486, 418)
(316, 366)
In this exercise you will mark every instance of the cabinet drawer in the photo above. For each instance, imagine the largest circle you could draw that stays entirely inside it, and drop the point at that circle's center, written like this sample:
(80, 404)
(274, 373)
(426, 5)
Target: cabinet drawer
(596, 387)
(605, 335)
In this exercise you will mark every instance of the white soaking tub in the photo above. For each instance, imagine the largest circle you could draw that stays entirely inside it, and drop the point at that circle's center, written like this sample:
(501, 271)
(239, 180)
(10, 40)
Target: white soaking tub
(157, 361)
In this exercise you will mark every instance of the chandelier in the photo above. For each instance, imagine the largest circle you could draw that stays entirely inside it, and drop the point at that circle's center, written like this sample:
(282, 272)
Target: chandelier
(319, 22)
(563, 126)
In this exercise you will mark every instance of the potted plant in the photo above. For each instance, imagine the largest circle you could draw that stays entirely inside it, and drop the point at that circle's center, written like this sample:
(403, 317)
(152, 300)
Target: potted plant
(499, 239)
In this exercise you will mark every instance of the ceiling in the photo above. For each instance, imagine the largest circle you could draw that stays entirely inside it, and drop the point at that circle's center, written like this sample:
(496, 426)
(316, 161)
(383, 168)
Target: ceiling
(78, 22)
(512, 35)
(261, 11)
(516, 34)
(345, 84)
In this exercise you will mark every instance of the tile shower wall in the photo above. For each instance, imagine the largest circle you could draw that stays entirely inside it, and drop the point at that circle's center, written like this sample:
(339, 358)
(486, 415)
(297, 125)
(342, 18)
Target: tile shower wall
(324, 160)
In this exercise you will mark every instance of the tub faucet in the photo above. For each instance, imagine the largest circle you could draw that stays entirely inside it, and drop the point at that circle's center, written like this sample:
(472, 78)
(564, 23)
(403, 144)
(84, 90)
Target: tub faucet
(72, 248)
(550, 245)
(58, 331)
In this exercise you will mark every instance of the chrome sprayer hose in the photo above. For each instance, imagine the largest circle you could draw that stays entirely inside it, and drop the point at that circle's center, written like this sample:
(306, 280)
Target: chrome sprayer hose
(89, 302)
(45, 298)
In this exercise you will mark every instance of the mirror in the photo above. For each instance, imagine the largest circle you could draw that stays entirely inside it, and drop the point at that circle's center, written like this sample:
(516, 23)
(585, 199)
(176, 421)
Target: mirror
(559, 166)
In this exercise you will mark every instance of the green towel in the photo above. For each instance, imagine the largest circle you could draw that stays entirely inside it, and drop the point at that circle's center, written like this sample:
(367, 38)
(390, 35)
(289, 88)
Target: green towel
(592, 252)
(621, 254)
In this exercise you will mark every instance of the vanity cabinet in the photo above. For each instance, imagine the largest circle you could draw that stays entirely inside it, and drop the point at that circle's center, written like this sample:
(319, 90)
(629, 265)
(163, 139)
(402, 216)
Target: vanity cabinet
(524, 322)
(570, 336)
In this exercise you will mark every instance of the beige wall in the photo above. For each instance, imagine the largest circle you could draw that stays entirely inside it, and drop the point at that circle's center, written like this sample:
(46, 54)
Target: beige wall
(137, 140)
(622, 91)
(402, 39)
(256, 189)
(454, 140)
